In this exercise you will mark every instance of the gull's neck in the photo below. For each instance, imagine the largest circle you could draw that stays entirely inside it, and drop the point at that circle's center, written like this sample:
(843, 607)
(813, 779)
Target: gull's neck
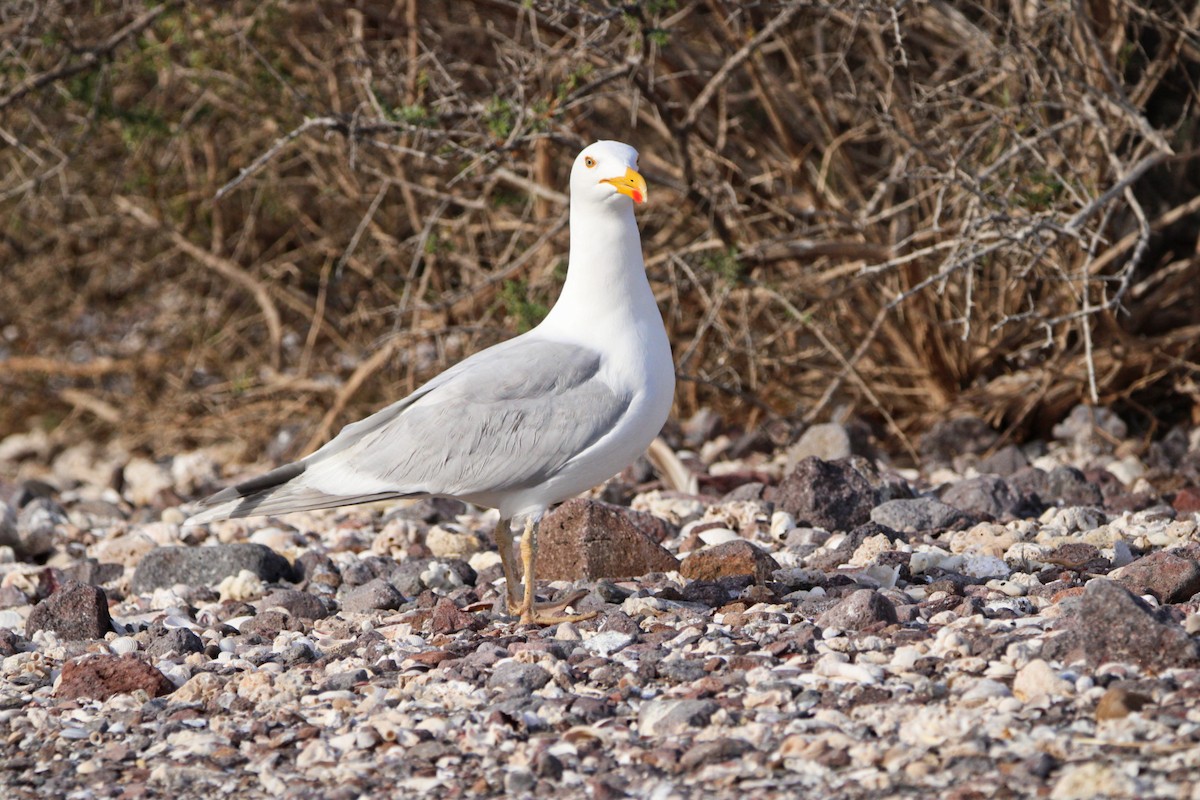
(606, 281)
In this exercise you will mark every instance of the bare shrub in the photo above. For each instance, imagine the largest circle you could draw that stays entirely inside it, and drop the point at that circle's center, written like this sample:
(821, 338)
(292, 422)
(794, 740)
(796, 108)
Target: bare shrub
(224, 220)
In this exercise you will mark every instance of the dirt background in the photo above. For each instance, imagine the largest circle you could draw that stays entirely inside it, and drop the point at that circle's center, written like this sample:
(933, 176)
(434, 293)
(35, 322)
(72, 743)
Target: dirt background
(252, 222)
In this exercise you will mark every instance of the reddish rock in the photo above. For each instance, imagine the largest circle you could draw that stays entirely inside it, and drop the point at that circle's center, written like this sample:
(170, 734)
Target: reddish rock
(587, 539)
(101, 677)
(1187, 500)
(1114, 625)
(75, 611)
(1169, 577)
(448, 618)
(727, 560)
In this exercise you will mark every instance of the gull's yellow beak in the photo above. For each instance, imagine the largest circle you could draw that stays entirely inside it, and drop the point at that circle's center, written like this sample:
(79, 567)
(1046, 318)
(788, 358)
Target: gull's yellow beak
(631, 184)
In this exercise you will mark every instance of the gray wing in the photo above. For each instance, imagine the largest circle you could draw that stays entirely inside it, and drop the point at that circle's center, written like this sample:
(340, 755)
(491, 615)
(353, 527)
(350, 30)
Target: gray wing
(506, 418)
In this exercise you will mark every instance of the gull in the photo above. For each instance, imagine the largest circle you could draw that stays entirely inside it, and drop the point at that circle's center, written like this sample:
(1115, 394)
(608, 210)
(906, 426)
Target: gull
(526, 423)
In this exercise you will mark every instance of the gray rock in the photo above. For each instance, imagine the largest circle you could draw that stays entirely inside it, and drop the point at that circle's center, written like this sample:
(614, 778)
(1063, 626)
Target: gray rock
(375, 595)
(859, 610)
(1062, 486)
(175, 642)
(38, 526)
(988, 495)
(207, 566)
(671, 717)
(1005, 461)
(519, 677)
(826, 494)
(1091, 429)
(406, 576)
(298, 604)
(920, 514)
(344, 681)
(76, 611)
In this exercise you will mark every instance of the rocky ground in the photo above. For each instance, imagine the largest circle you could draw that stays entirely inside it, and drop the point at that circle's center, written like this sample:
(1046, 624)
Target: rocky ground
(1003, 622)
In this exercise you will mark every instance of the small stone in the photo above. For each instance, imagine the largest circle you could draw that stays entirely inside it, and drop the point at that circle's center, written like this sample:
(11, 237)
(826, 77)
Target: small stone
(76, 611)
(374, 595)
(726, 560)
(587, 539)
(164, 567)
(10, 642)
(860, 610)
(672, 717)
(715, 752)
(518, 677)
(826, 494)
(444, 543)
(919, 515)
(828, 441)
(101, 677)
(1187, 500)
(987, 495)
(1117, 703)
(1062, 486)
(1037, 679)
(145, 482)
(606, 643)
(448, 618)
(1170, 578)
(175, 642)
(1005, 461)
(39, 524)
(299, 604)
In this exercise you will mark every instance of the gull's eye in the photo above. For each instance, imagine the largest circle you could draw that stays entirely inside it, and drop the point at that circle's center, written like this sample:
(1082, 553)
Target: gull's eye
(589, 162)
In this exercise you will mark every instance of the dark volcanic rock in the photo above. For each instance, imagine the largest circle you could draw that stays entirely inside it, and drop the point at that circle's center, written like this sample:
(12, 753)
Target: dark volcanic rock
(75, 611)
(1169, 577)
(207, 566)
(826, 494)
(448, 618)
(727, 559)
(587, 539)
(100, 677)
(518, 677)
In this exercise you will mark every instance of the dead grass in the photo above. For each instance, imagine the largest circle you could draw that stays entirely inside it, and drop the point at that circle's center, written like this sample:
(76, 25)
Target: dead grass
(221, 222)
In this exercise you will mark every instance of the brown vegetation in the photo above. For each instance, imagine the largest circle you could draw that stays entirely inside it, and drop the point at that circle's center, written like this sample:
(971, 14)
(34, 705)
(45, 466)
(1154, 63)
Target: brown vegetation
(220, 220)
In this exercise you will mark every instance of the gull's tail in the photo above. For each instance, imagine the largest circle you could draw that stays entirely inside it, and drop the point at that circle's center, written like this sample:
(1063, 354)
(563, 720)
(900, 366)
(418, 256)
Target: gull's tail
(277, 492)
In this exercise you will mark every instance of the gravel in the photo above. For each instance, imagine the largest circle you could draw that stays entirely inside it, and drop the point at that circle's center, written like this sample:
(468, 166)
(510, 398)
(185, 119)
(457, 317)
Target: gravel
(833, 629)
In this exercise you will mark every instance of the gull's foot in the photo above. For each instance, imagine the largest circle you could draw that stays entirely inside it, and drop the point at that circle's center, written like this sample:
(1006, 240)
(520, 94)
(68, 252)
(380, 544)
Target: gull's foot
(550, 613)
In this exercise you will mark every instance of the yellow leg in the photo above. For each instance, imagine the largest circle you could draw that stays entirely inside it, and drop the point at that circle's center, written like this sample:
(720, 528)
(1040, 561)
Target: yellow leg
(529, 611)
(504, 544)
(528, 553)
